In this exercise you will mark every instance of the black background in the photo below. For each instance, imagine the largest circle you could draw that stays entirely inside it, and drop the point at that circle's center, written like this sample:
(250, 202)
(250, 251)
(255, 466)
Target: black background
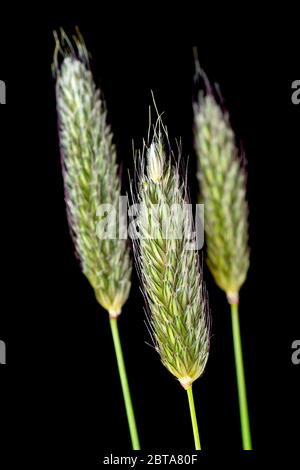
(60, 387)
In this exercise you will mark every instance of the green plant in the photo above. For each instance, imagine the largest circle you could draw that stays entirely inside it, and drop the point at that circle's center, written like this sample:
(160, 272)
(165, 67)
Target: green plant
(91, 181)
(222, 180)
(170, 271)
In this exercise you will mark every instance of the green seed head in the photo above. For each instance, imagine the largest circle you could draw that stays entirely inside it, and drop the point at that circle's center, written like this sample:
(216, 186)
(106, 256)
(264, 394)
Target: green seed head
(222, 182)
(90, 175)
(170, 271)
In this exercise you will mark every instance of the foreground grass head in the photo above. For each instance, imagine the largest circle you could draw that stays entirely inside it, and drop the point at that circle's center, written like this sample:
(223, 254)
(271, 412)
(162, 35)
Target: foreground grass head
(222, 180)
(170, 271)
(90, 174)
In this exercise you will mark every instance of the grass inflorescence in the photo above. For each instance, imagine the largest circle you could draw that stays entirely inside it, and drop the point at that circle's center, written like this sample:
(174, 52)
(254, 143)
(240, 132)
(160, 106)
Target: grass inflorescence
(222, 180)
(170, 271)
(90, 176)
(92, 191)
(169, 267)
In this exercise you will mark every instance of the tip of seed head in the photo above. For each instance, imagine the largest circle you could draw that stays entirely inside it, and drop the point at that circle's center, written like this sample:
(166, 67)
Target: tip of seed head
(156, 162)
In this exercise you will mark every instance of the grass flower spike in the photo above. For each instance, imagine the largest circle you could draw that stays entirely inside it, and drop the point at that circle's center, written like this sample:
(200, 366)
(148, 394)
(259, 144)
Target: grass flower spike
(222, 181)
(170, 271)
(91, 180)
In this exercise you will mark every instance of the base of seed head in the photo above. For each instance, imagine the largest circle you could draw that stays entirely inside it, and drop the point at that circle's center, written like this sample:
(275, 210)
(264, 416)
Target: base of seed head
(114, 314)
(232, 298)
(186, 382)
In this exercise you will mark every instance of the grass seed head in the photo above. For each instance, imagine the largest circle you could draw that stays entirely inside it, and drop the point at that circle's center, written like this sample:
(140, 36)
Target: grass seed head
(90, 174)
(170, 272)
(222, 180)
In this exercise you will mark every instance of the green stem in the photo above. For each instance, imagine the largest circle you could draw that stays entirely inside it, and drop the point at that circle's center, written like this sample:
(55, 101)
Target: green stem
(240, 374)
(194, 418)
(124, 383)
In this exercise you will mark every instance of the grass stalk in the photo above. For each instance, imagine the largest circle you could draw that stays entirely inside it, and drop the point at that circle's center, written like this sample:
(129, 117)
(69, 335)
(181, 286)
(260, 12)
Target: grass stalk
(124, 384)
(194, 418)
(240, 375)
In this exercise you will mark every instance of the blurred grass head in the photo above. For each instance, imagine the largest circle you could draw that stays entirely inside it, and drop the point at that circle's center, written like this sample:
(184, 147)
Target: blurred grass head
(222, 180)
(90, 172)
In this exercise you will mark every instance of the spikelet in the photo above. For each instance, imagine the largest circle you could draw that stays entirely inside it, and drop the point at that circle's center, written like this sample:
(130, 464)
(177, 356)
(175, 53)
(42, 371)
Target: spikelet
(90, 175)
(170, 272)
(222, 180)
